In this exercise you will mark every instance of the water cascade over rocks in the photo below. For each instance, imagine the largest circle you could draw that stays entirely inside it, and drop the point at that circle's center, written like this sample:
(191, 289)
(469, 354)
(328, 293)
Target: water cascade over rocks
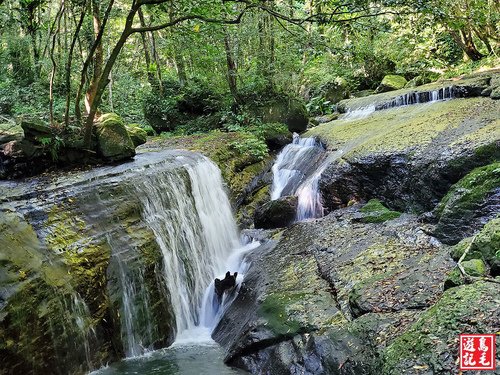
(167, 223)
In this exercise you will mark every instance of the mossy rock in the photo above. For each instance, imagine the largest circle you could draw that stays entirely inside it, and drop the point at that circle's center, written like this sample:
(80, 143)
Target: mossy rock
(430, 343)
(495, 93)
(391, 83)
(375, 212)
(470, 198)
(278, 213)
(35, 127)
(114, 142)
(485, 245)
(10, 131)
(137, 134)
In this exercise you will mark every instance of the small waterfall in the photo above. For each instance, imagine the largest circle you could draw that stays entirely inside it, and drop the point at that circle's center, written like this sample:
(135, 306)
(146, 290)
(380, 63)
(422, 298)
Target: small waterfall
(359, 113)
(191, 217)
(444, 93)
(293, 164)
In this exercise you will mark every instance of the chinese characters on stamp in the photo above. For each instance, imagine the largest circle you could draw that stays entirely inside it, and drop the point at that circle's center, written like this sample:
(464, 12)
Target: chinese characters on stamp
(477, 352)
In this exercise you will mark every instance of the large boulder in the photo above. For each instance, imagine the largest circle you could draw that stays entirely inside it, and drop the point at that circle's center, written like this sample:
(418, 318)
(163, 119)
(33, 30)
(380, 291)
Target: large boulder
(113, 139)
(277, 213)
(391, 83)
(330, 294)
(284, 109)
(469, 204)
(10, 131)
(35, 128)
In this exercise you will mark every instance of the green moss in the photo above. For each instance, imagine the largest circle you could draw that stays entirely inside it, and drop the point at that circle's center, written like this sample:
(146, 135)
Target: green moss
(474, 267)
(428, 340)
(113, 138)
(275, 310)
(415, 128)
(376, 212)
(393, 82)
(137, 134)
(470, 190)
(486, 245)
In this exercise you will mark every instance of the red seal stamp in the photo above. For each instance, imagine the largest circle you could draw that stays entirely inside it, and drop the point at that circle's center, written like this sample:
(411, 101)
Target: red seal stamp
(477, 352)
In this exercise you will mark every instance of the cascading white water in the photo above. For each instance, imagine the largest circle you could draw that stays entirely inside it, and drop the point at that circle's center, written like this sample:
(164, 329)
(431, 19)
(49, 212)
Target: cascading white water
(293, 164)
(359, 113)
(191, 217)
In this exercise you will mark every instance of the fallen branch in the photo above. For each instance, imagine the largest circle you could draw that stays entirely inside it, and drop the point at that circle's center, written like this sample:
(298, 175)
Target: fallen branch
(468, 278)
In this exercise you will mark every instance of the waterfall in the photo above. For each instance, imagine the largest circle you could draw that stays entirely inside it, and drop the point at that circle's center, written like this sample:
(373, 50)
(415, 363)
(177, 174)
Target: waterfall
(444, 93)
(293, 165)
(191, 217)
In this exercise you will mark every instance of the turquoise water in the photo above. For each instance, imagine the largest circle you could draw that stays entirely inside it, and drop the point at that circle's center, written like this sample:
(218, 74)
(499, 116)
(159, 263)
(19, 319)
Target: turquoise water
(198, 359)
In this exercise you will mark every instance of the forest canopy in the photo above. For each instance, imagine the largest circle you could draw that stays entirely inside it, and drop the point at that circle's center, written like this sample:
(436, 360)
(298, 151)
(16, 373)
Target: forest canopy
(154, 61)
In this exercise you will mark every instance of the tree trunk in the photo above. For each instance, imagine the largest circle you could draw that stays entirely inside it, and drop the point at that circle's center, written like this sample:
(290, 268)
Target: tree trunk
(83, 74)
(232, 72)
(98, 58)
(465, 42)
(103, 80)
(147, 58)
(53, 61)
(70, 61)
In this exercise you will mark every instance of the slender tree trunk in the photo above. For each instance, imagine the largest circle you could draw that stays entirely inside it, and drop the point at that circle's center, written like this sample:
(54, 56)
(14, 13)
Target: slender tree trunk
(83, 75)
(70, 61)
(145, 44)
(98, 59)
(54, 65)
(232, 71)
(104, 78)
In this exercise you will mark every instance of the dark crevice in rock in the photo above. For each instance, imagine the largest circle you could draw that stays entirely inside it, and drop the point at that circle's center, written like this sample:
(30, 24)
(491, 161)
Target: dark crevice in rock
(325, 275)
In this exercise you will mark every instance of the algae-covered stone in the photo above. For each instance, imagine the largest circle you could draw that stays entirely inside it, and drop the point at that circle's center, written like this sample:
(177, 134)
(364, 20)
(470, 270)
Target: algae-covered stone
(375, 212)
(10, 131)
(495, 93)
(474, 267)
(137, 134)
(430, 343)
(391, 82)
(277, 213)
(113, 139)
(469, 203)
(485, 245)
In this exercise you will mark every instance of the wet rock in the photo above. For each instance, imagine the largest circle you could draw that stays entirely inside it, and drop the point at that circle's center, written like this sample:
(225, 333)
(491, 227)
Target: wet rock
(383, 157)
(391, 83)
(295, 312)
(469, 204)
(326, 118)
(113, 139)
(430, 343)
(277, 213)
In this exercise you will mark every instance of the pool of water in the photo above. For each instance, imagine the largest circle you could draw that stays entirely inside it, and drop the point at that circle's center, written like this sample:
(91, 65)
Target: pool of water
(179, 359)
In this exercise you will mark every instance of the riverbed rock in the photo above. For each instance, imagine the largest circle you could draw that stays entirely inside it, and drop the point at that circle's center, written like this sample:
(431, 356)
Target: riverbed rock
(34, 127)
(333, 284)
(277, 213)
(391, 83)
(408, 157)
(469, 204)
(113, 139)
(430, 344)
